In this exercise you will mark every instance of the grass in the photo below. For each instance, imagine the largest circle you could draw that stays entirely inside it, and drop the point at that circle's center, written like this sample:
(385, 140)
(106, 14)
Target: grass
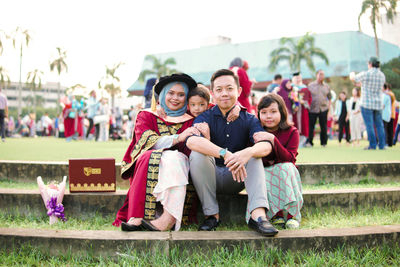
(312, 219)
(53, 149)
(385, 255)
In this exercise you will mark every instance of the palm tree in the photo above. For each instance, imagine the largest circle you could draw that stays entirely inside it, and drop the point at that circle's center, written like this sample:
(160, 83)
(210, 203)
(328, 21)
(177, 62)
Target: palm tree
(60, 65)
(159, 68)
(20, 38)
(296, 52)
(110, 82)
(34, 81)
(4, 77)
(3, 36)
(77, 89)
(375, 16)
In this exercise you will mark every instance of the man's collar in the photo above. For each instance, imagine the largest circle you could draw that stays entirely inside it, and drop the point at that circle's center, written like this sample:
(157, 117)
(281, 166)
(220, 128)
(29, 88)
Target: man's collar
(217, 111)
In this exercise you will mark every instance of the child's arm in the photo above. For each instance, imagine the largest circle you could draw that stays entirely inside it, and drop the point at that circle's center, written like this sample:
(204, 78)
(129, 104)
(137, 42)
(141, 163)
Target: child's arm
(203, 129)
(161, 112)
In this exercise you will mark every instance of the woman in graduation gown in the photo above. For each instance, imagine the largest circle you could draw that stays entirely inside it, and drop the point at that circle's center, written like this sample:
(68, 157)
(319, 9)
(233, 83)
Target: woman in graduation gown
(156, 161)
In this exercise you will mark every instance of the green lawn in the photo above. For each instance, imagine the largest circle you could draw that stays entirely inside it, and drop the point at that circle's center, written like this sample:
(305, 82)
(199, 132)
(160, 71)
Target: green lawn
(386, 255)
(52, 149)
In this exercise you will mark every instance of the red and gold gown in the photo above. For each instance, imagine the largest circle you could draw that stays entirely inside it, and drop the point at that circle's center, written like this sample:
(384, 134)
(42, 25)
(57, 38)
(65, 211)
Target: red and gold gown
(141, 164)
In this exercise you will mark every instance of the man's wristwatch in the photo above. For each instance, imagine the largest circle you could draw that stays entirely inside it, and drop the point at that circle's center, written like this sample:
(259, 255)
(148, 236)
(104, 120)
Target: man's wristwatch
(222, 153)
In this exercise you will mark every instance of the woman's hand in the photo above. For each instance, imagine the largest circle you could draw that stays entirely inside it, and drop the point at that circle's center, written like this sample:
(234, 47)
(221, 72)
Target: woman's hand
(203, 129)
(262, 136)
(186, 133)
(234, 114)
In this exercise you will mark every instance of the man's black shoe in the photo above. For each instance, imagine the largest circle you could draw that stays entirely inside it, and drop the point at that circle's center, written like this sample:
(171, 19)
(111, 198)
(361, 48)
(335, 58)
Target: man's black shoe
(262, 226)
(209, 224)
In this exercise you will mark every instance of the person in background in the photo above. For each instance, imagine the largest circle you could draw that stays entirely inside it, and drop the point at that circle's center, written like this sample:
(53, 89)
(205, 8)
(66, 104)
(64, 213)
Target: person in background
(69, 119)
(303, 112)
(274, 86)
(372, 82)
(355, 118)
(104, 111)
(148, 92)
(130, 123)
(285, 92)
(92, 106)
(254, 103)
(46, 124)
(341, 116)
(236, 66)
(282, 177)
(390, 125)
(320, 103)
(3, 115)
(386, 117)
(396, 135)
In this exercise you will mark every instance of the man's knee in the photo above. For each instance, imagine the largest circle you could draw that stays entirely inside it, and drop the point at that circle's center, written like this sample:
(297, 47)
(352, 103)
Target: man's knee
(254, 162)
(196, 158)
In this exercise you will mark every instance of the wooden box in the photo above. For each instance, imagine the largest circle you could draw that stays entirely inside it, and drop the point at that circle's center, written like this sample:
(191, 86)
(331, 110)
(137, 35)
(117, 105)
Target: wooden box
(92, 175)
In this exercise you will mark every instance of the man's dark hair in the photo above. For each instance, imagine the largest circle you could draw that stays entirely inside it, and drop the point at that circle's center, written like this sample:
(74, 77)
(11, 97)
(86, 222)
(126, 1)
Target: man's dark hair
(374, 62)
(224, 72)
(277, 77)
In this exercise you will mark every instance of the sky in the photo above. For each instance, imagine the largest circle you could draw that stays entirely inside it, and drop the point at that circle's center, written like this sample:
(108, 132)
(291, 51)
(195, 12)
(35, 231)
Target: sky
(96, 34)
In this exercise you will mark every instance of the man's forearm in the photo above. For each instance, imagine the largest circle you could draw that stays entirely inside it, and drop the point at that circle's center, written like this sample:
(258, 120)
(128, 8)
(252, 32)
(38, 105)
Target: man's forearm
(260, 149)
(203, 145)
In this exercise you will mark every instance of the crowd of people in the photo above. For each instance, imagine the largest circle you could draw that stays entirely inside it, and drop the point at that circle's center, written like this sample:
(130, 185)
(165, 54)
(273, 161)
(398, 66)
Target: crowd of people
(89, 119)
(340, 116)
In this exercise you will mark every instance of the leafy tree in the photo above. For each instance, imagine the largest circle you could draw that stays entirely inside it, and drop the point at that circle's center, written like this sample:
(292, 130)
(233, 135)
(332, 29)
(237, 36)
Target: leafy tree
(76, 88)
(3, 36)
(59, 64)
(374, 6)
(391, 69)
(110, 82)
(296, 52)
(20, 39)
(159, 68)
(4, 77)
(34, 81)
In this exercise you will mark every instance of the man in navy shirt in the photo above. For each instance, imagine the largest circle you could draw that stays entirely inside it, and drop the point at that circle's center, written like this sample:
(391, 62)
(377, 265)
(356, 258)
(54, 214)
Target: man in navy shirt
(228, 162)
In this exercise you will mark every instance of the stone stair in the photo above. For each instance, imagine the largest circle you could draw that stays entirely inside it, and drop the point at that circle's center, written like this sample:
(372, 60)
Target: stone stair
(108, 243)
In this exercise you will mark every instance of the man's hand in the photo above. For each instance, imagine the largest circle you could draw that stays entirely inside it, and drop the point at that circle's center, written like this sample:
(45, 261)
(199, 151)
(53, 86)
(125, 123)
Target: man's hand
(236, 164)
(262, 136)
(204, 129)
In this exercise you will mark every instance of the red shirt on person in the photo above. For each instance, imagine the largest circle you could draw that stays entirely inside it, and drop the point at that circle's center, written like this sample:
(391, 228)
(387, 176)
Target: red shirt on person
(285, 147)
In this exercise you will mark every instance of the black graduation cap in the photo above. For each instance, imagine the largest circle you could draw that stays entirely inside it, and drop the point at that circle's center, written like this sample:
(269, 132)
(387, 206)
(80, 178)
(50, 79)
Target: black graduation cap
(177, 77)
(296, 74)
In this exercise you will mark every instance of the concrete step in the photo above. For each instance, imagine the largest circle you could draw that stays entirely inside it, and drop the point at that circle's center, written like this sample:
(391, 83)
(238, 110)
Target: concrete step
(311, 173)
(110, 243)
(29, 202)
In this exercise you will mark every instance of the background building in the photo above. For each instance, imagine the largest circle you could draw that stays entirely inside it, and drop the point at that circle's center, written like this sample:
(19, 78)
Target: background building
(46, 97)
(347, 51)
